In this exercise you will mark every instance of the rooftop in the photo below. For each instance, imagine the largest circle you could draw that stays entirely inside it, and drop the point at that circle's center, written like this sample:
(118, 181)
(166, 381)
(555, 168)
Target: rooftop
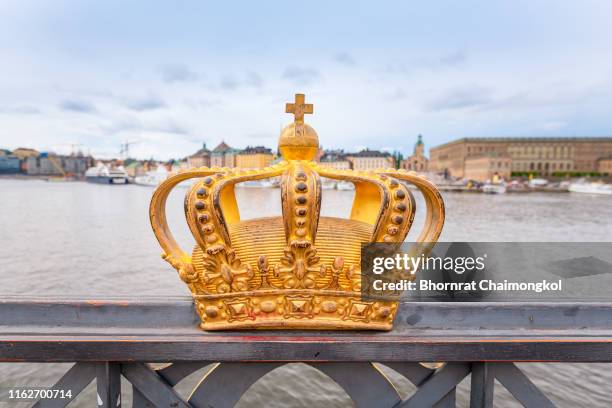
(221, 148)
(256, 149)
(370, 153)
(527, 139)
(203, 151)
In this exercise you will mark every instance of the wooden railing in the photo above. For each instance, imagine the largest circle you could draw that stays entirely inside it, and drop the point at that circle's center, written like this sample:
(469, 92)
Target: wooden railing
(108, 339)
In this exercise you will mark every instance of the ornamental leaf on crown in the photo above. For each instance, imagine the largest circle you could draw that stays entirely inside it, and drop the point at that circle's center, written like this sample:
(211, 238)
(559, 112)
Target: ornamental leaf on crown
(298, 269)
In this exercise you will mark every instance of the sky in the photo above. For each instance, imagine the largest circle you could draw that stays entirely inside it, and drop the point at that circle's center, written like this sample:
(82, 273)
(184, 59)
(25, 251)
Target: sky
(170, 76)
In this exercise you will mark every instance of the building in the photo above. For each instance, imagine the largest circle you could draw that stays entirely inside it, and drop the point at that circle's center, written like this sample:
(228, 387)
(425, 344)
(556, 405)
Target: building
(201, 158)
(174, 166)
(541, 156)
(370, 159)
(418, 161)
(604, 166)
(134, 169)
(23, 153)
(9, 164)
(223, 156)
(487, 167)
(50, 164)
(335, 159)
(255, 157)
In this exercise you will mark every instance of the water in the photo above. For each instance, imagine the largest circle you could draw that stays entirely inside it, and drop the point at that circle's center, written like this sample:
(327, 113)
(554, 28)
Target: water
(87, 240)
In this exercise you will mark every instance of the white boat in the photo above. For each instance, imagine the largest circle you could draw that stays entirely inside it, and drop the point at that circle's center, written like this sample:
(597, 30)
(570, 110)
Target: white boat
(591, 188)
(152, 178)
(328, 184)
(256, 184)
(491, 188)
(538, 182)
(104, 175)
(345, 185)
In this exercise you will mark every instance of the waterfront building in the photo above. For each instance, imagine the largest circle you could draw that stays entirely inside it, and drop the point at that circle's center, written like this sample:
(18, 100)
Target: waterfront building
(487, 167)
(51, 164)
(543, 156)
(336, 159)
(370, 159)
(254, 157)
(137, 168)
(200, 158)
(604, 166)
(418, 161)
(9, 164)
(23, 153)
(174, 166)
(223, 156)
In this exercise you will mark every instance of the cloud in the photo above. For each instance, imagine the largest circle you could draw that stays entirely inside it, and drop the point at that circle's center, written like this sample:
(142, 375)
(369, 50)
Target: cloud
(229, 82)
(452, 59)
(464, 97)
(73, 105)
(396, 95)
(253, 79)
(167, 126)
(22, 109)
(177, 73)
(149, 102)
(553, 125)
(301, 76)
(344, 58)
(435, 63)
(133, 124)
(250, 79)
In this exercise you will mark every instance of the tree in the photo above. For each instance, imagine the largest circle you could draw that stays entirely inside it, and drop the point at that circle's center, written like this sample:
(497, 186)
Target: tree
(398, 157)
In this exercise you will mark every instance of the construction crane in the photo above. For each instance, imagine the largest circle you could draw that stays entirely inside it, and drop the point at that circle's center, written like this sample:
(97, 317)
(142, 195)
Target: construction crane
(125, 148)
(73, 147)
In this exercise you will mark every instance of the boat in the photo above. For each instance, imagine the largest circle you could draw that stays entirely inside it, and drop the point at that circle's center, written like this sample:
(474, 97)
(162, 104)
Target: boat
(491, 188)
(152, 178)
(345, 185)
(538, 182)
(328, 184)
(102, 174)
(517, 187)
(256, 184)
(591, 188)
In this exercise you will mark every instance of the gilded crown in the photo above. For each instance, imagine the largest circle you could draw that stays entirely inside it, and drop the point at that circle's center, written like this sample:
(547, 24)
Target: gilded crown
(299, 269)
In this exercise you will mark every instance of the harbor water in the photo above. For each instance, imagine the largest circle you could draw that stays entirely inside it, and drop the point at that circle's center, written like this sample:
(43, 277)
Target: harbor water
(84, 240)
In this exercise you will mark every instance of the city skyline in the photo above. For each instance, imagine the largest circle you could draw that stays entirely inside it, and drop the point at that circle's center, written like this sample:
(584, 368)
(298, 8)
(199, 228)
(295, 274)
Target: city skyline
(446, 71)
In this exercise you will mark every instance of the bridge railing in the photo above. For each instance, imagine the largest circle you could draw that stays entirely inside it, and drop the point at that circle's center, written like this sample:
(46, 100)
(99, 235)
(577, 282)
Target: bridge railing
(114, 338)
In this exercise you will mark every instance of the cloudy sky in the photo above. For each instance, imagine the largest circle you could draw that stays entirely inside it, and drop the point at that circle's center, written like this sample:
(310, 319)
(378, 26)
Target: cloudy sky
(171, 76)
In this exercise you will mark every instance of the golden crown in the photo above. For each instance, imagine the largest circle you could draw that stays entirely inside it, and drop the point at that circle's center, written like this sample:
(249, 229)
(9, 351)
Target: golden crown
(297, 270)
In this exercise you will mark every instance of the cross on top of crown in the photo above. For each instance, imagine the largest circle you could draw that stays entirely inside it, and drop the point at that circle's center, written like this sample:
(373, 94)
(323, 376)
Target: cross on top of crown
(299, 108)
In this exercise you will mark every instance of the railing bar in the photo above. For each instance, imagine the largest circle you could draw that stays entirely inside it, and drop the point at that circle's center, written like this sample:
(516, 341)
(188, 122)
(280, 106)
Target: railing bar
(521, 387)
(224, 385)
(108, 384)
(152, 386)
(483, 385)
(449, 400)
(364, 383)
(139, 400)
(76, 379)
(178, 371)
(438, 386)
(414, 372)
